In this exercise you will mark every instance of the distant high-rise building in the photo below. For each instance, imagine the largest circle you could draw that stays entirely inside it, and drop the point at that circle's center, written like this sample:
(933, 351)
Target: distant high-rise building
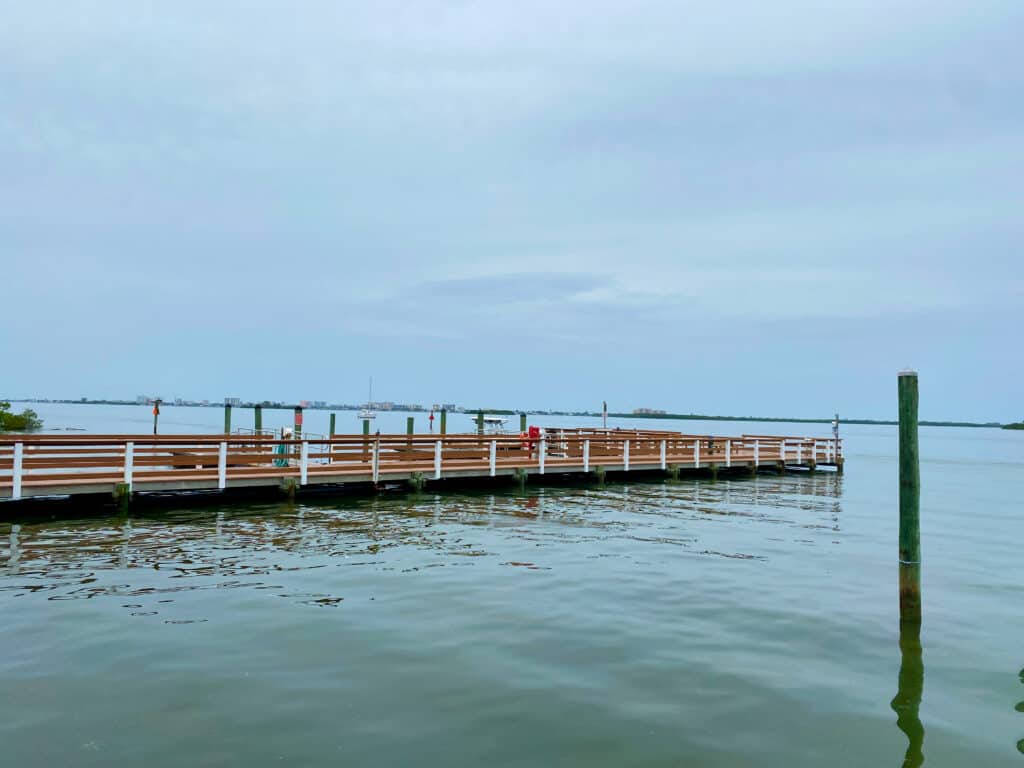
(232, 401)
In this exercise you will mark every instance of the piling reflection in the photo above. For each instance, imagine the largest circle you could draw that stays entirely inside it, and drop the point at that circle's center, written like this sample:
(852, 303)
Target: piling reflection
(907, 702)
(1020, 708)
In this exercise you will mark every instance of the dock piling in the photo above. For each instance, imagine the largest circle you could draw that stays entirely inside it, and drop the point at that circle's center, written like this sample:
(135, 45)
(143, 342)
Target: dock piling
(417, 481)
(444, 421)
(331, 433)
(480, 422)
(366, 426)
(298, 421)
(257, 419)
(122, 496)
(910, 499)
(409, 425)
(227, 418)
(522, 422)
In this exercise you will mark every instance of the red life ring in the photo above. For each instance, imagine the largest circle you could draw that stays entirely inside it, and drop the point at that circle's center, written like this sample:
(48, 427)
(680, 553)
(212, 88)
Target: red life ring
(524, 443)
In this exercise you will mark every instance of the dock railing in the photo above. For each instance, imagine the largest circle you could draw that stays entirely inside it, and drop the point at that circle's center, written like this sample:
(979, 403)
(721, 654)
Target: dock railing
(60, 464)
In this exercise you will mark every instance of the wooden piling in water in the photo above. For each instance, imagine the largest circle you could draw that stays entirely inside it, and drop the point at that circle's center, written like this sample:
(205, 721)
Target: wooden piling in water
(227, 418)
(444, 421)
(366, 426)
(257, 418)
(409, 421)
(298, 421)
(480, 422)
(522, 422)
(332, 433)
(910, 499)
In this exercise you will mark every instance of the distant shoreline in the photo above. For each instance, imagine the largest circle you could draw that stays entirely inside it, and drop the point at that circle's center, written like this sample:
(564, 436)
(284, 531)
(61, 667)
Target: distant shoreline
(512, 412)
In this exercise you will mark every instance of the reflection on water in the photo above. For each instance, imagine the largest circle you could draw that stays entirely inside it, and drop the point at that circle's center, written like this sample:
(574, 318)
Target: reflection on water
(1020, 708)
(907, 702)
(242, 546)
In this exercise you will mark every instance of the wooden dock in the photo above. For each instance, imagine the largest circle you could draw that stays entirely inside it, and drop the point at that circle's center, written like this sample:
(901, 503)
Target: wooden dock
(61, 465)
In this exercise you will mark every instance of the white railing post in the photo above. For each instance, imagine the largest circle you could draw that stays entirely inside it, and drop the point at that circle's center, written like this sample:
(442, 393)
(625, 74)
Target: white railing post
(494, 457)
(782, 451)
(304, 463)
(19, 456)
(586, 455)
(757, 453)
(800, 452)
(728, 453)
(663, 448)
(541, 452)
(129, 463)
(625, 456)
(437, 460)
(696, 454)
(222, 466)
(376, 460)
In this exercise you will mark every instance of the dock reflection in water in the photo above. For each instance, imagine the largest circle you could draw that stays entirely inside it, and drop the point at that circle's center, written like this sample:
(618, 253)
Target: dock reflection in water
(66, 559)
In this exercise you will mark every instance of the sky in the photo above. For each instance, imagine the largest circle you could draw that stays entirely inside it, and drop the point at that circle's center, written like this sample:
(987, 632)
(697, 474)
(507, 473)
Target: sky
(730, 207)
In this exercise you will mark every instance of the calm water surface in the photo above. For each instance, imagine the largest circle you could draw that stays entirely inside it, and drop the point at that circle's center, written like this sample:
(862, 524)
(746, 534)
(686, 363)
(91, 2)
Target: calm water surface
(741, 622)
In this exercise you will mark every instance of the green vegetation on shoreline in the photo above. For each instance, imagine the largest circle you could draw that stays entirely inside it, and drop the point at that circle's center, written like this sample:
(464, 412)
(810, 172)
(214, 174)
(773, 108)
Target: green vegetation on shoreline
(593, 414)
(18, 422)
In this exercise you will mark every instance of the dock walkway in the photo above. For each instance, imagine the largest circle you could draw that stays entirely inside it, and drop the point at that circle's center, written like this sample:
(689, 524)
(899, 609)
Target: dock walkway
(61, 465)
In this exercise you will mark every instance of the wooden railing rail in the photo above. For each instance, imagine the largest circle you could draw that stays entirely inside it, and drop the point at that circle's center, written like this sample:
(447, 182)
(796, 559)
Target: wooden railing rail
(79, 460)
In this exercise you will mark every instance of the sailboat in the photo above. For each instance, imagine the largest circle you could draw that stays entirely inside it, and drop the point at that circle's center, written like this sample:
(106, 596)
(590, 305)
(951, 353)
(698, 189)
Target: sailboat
(368, 412)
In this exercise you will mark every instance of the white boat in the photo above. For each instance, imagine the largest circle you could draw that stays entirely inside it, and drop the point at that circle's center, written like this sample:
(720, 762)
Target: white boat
(368, 412)
(493, 423)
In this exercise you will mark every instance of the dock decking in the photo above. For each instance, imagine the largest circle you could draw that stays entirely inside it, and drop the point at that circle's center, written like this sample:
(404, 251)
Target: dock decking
(61, 465)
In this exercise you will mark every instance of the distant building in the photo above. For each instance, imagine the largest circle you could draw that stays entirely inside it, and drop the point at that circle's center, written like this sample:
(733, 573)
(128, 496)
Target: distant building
(648, 412)
(319, 403)
(449, 406)
(140, 399)
(232, 401)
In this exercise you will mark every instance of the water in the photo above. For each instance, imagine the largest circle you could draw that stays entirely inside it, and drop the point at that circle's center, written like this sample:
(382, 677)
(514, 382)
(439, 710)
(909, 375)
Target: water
(742, 622)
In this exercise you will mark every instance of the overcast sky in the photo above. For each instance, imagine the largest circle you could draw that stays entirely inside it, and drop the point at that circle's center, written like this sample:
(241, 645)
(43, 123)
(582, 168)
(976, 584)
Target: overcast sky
(729, 207)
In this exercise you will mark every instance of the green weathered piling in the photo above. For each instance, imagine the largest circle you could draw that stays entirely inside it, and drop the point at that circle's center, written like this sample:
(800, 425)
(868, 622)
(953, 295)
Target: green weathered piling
(480, 422)
(257, 418)
(910, 499)
(227, 418)
(520, 476)
(122, 495)
(366, 426)
(298, 422)
(409, 422)
(522, 422)
(599, 473)
(417, 481)
(333, 419)
(444, 421)
(288, 487)
(673, 471)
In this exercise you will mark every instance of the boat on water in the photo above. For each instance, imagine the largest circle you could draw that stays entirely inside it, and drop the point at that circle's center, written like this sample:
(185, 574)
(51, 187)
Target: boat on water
(367, 412)
(493, 424)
